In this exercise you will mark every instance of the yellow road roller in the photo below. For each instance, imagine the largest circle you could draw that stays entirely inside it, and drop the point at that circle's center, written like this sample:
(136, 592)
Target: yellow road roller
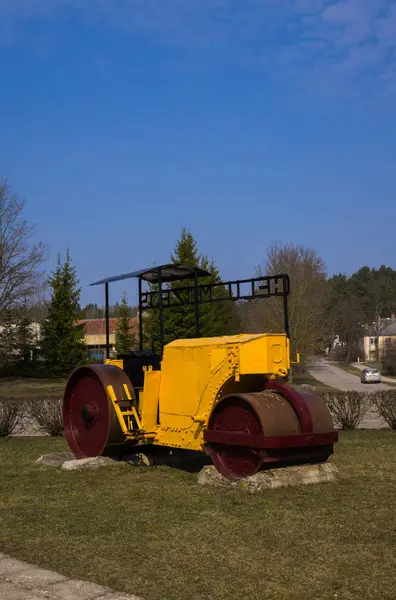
(226, 396)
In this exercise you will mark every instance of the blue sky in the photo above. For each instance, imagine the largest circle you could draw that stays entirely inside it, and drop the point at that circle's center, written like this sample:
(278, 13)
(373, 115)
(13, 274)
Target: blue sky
(246, 121)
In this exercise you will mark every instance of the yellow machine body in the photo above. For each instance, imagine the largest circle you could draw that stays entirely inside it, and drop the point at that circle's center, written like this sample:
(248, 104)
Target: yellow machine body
(176, 401)
(225, 395)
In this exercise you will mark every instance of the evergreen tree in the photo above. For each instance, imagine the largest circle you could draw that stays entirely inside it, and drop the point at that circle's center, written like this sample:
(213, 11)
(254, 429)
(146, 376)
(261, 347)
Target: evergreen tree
(91, 311)
(125, 338)
(219, 318)
(63, 341)
(24, 338)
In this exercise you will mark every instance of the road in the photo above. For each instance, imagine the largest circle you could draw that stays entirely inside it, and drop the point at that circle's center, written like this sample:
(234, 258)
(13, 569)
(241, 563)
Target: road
(333, 376)
(362, 366)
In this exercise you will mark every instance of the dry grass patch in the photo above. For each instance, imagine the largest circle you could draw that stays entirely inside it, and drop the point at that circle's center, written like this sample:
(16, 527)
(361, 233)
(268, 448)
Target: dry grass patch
(18, 388)
(154, 532)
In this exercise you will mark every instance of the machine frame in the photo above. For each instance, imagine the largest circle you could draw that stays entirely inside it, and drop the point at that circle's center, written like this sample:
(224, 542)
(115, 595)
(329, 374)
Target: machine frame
(163, 298)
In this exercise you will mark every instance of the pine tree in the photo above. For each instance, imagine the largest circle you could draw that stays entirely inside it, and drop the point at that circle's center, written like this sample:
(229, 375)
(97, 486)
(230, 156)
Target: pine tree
(218, 318)
(63, 341)
(125, 338)
(24, 339)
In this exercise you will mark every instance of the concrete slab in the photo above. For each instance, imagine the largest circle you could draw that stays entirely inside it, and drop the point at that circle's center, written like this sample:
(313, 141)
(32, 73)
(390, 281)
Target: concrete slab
(9, 566)
(55, 459)
(22, 581)
(273, 478)
(118, 597)
(11, 592)
(36, 578)
(74, 589)
(89, 463)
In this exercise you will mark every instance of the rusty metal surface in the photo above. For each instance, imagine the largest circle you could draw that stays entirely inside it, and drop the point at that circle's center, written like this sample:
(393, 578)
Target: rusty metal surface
(321, 417)
(276, 415)
(275, 441)
(233, 414)
(295, 399)
(247, 432)
(90, 423)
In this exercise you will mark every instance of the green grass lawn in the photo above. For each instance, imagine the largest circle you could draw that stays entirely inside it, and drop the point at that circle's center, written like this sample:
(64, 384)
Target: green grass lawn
(154, 532)
(31, 387)
(349, 369)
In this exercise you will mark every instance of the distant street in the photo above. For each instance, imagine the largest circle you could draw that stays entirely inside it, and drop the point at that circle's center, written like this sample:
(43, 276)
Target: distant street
(362, 366)
(331, 375)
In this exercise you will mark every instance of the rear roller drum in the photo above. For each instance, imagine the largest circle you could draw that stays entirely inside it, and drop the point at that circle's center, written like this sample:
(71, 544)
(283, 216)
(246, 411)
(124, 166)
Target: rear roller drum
(249, 432)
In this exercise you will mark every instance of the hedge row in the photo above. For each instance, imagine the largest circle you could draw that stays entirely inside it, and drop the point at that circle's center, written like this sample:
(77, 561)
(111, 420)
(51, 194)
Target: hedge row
(348, 410)
(46, 412)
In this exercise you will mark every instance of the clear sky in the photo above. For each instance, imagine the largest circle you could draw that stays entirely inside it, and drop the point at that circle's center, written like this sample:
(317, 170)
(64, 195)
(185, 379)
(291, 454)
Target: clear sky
(247, 121)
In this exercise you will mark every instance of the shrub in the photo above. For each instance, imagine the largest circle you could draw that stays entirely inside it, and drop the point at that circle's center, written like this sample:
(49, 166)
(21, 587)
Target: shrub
(347, 408)
(11, 415)
(47, 412)
(385, 403)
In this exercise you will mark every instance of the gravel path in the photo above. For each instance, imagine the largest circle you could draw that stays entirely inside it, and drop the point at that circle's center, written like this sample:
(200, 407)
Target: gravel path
(21, 581)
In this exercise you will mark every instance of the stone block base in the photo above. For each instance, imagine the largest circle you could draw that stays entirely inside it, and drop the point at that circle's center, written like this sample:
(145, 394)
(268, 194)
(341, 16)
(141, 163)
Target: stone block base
(273, 478)
(68, 462)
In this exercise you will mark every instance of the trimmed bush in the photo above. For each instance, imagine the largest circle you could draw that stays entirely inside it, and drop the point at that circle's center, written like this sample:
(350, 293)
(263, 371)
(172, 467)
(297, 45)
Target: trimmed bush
(11, 415)
(47, 412)
(347, 408)
(385, 403)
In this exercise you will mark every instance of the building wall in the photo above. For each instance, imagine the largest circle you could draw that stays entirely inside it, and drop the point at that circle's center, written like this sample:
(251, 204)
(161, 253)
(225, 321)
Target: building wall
(93, 340)
(369, 344)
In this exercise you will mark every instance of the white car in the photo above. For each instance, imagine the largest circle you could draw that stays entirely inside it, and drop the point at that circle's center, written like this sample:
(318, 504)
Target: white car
(370, 376)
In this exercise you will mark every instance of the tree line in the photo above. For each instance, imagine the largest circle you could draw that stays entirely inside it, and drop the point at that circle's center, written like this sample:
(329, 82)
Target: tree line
(321, 308)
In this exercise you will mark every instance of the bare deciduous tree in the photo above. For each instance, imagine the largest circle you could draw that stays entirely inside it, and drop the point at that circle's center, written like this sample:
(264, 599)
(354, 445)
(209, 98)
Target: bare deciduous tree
(20, 258)
(307, 301)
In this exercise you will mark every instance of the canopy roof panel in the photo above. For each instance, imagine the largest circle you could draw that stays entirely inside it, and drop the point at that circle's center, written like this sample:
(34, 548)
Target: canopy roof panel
(170, 272)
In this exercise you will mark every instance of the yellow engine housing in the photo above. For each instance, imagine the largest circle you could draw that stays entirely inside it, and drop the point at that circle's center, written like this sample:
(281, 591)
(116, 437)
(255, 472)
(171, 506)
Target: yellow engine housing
(176, 402)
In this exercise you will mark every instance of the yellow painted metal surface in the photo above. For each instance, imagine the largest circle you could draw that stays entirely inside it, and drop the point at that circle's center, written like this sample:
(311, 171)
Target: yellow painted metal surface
(176, 402)
(120, 416)
(148, 400)
(116, 363)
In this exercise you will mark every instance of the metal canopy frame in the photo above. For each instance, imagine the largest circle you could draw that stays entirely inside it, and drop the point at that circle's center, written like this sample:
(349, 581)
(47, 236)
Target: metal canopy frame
(240, 289)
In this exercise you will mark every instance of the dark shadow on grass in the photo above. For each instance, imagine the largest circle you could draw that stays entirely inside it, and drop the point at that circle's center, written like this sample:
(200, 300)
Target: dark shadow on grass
(183, 460)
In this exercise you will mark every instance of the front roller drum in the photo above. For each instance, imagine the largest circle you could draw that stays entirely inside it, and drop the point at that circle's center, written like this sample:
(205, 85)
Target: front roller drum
(276, 427)
(91, 426)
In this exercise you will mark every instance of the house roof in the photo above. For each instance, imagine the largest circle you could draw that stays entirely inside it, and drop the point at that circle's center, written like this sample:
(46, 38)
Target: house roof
(387, 328)
(98, 326)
